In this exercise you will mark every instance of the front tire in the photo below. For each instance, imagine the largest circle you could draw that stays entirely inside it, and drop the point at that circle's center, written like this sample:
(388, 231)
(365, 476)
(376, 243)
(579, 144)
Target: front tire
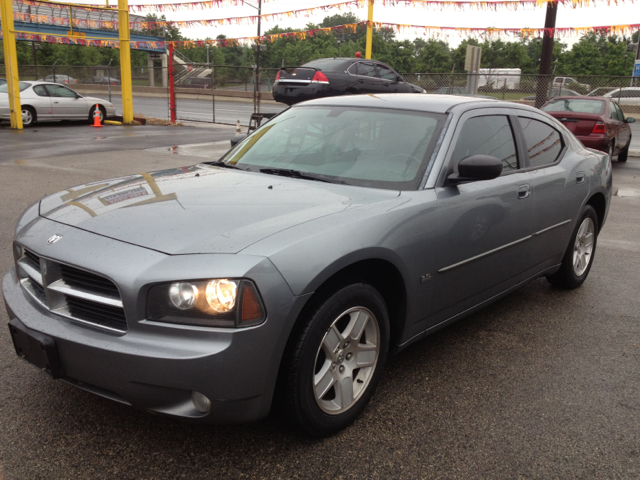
(336, 361)
(578, 258)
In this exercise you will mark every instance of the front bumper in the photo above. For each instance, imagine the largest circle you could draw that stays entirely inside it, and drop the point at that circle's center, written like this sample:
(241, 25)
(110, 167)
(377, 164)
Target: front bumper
(156, 366)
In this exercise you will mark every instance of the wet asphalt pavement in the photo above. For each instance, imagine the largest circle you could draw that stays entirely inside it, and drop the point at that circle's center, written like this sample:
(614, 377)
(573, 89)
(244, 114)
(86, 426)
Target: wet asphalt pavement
(542, 384)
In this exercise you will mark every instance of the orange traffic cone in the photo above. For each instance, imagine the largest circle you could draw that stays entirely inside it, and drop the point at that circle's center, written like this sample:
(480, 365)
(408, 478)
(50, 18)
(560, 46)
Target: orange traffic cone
(96, 117)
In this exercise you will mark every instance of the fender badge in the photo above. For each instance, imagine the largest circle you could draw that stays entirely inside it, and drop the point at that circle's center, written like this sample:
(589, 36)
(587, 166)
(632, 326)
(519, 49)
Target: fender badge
(54, 239)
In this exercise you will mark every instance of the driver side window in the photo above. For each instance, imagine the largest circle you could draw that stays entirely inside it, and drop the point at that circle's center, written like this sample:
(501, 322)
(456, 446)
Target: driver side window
(487, 135)
(60, 91)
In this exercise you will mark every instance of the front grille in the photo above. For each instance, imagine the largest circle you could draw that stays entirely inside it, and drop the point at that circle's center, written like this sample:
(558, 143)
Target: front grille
(75, 277)
(35, 259)
(105, 315)
(72, 292)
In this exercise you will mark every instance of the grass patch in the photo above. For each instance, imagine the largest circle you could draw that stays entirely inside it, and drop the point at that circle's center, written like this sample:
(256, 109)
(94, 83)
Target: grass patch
(156, 121)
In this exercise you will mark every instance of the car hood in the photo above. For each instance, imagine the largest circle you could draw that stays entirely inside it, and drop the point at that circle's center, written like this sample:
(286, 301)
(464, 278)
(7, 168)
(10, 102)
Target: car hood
(201, 209)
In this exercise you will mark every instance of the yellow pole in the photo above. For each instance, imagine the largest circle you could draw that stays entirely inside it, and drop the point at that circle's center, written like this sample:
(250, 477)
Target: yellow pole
(11, 63)
(125, 61)
(369, 30)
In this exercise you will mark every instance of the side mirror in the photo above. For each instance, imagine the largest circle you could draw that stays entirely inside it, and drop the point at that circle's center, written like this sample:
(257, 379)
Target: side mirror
(237, 139)
(477, 167)
(630, 120)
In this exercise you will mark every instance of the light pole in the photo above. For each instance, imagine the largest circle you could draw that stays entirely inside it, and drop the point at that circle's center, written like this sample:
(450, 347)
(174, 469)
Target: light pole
(256, 86)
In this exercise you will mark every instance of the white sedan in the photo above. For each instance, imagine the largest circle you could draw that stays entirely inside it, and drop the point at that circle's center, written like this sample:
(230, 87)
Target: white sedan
(625, 95)
(44, 101)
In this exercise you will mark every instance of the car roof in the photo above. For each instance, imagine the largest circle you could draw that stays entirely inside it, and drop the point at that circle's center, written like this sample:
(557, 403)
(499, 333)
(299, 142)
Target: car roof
(405, 101)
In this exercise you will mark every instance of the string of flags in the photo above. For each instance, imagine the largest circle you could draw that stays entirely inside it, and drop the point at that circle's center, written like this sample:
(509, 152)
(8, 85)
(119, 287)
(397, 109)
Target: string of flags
(428, 31)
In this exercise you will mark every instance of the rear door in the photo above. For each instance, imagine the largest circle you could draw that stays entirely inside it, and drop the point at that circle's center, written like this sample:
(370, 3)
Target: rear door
(559, 184)
(66, 104)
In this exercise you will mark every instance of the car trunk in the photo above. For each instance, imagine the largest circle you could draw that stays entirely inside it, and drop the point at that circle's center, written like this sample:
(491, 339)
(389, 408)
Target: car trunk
(578, 123)
(296, 75)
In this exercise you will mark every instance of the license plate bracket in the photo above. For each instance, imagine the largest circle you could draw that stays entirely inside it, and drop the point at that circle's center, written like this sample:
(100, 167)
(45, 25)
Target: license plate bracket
(36, 348)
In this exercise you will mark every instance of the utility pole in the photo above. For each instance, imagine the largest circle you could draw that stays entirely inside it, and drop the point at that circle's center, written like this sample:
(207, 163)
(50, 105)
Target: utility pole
(547, 54)
(256, 95)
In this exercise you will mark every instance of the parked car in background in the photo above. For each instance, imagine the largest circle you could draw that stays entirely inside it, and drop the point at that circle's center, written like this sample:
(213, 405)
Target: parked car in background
(44, 101)
(564, 82)
(596, 121)
(600, 91)
(2, 81)
(58, 78)
(555, 92)
(101, 80)
(327, 77)
(338, 233)
(626, 96)
(197, 82)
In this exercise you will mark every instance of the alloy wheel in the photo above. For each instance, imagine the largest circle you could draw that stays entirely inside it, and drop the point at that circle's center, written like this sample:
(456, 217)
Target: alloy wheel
(346, 360)
(583, 247)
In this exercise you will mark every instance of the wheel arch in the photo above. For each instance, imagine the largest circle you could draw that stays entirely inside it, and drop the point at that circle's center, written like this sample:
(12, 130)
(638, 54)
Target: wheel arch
(377, 271)
(599, 204)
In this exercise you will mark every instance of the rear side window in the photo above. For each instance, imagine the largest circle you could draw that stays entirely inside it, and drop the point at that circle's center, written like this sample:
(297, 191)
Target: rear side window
(366, 69)
(41, 91)
(543, 142)
(488, 135)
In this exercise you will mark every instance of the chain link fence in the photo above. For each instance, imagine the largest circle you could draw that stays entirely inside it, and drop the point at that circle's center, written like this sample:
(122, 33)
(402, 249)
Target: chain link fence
(196, 84)
(524, 88)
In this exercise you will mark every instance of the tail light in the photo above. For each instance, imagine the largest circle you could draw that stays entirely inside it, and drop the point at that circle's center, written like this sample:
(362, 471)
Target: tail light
(277, 76)
(599, 128)
(319, 77)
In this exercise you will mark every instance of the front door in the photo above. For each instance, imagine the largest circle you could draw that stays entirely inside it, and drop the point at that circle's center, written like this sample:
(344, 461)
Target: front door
(484, 225)
(67, 104)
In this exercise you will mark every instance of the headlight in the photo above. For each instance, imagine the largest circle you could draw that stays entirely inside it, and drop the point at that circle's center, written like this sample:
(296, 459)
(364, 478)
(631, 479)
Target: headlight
(219, 302)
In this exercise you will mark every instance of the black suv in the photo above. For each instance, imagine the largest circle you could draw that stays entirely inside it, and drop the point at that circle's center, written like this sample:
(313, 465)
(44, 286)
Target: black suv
(328, 77)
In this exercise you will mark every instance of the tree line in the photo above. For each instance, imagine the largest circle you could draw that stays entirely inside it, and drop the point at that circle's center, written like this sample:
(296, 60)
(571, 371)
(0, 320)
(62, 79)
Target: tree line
(593, 54)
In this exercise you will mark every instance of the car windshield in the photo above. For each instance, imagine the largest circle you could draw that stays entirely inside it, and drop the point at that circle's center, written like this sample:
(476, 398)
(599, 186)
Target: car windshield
(4, 88)
(380, 148)
(575, 105)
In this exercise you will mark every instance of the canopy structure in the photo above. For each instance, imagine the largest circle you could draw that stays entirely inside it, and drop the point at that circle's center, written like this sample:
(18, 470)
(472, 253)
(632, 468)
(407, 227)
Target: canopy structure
(45, 19)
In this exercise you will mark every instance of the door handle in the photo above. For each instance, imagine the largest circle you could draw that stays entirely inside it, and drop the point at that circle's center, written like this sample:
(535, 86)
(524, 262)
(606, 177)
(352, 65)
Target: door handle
(580, 177)
(524, 191)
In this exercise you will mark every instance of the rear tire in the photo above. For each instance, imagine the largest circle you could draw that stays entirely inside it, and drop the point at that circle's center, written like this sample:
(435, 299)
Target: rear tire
(29, 116)
(622, 156)
(578, 258)
(335, 360)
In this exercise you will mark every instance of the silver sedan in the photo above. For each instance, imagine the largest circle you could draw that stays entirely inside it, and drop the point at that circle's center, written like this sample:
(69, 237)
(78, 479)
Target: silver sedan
(338, 233)
(43, 101)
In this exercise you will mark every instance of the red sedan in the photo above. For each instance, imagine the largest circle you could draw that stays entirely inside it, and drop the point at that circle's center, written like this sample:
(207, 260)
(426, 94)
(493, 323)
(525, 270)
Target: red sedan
(598, 122)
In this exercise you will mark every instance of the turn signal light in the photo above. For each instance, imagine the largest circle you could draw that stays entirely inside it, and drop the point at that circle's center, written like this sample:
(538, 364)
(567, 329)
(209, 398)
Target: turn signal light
(250, 305)
(599, 128)
(319, 77)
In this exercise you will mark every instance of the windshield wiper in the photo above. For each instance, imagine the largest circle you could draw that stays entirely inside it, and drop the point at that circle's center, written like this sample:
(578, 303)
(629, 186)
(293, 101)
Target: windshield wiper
(225, 165)
(287, 172)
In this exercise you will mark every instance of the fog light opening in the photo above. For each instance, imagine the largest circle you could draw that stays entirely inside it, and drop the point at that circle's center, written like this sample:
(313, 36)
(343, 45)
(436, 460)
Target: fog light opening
(201, 402)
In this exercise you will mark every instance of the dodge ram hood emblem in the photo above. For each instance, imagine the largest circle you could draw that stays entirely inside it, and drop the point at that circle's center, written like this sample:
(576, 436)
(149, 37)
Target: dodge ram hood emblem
(54, 239)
